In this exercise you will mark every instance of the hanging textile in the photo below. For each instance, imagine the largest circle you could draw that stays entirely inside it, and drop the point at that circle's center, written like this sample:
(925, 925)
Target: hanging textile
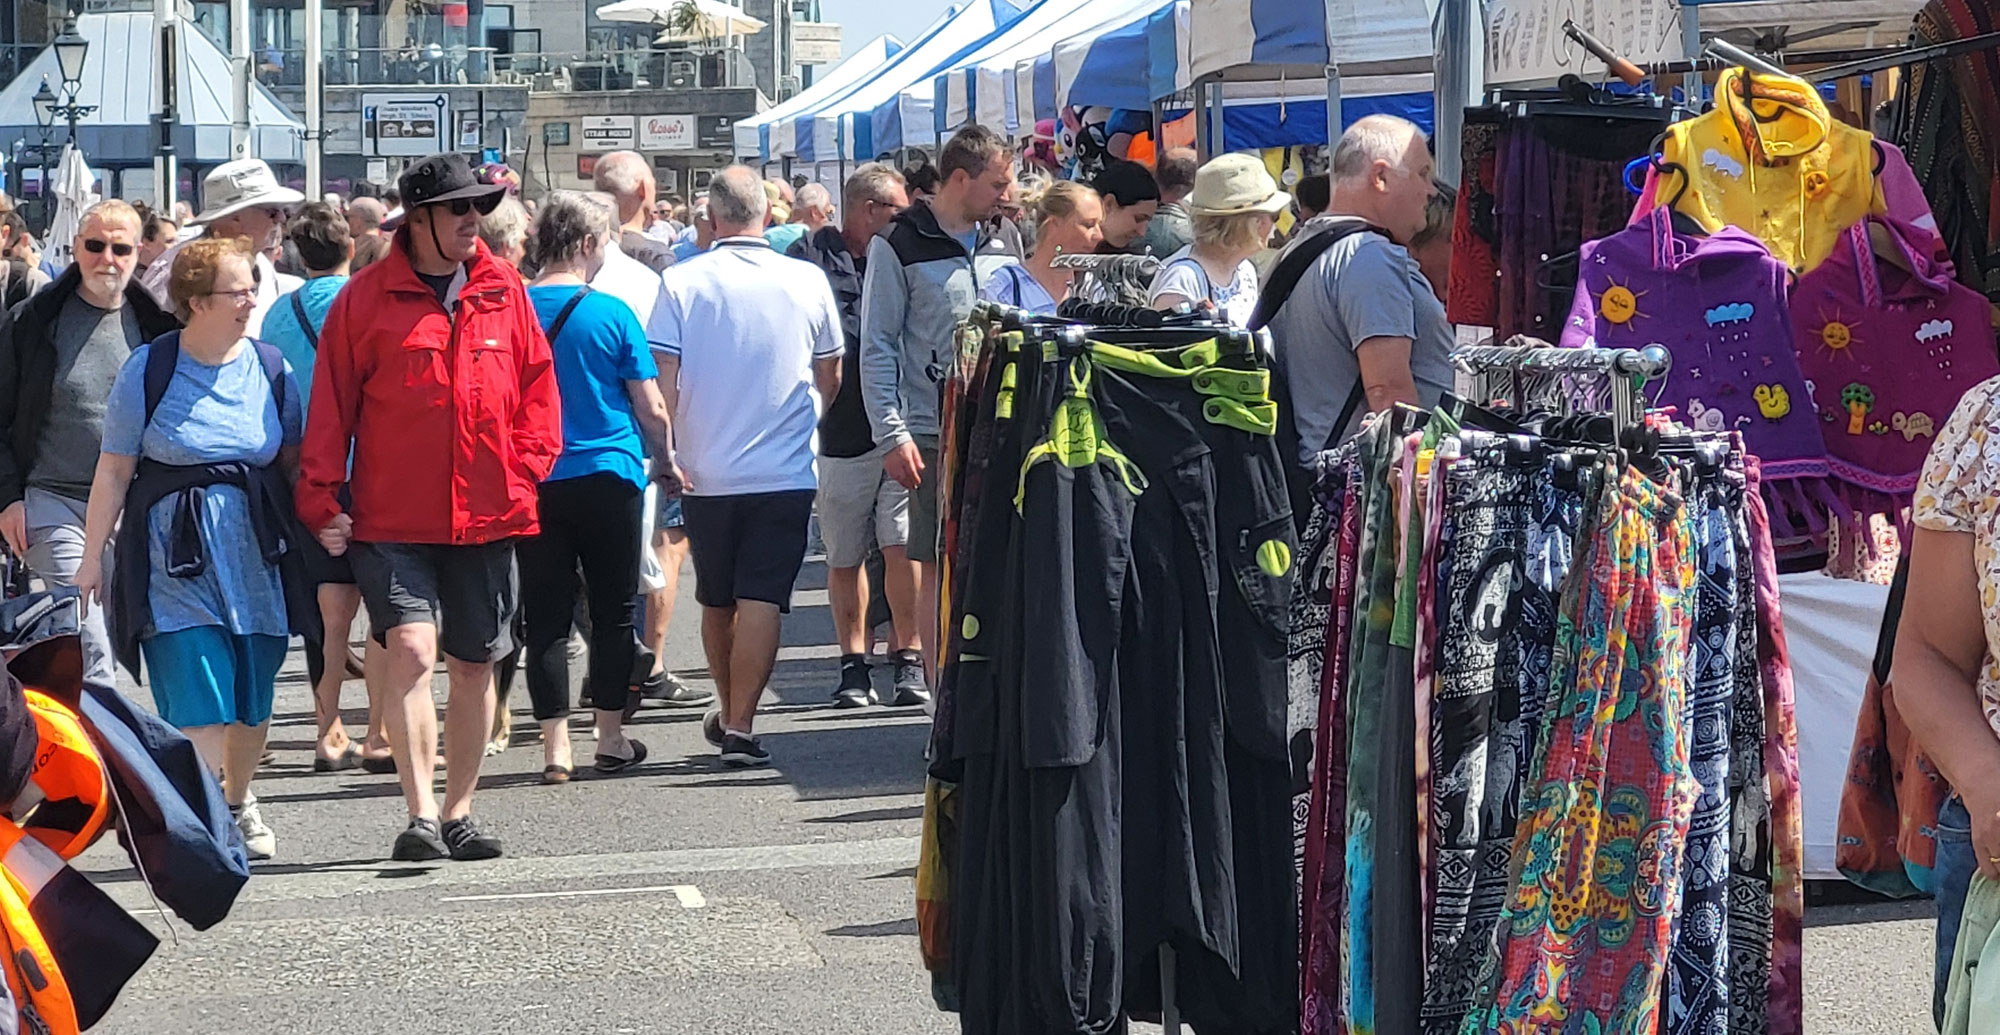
(1772, 161)
(1121, 558)
(1599, 829)
(1718, 306)
(1950, 113)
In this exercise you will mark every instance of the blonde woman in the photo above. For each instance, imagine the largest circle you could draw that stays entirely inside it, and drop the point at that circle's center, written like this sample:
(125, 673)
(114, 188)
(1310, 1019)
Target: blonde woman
(1235, 207)
(1068, 221)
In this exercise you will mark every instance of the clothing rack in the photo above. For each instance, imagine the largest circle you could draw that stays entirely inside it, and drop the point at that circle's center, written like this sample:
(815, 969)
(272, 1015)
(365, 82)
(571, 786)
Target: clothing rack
(1628, 370)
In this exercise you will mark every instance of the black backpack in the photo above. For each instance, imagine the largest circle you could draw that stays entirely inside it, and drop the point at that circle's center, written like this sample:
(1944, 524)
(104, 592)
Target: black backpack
(166, 354)
(1285, 278)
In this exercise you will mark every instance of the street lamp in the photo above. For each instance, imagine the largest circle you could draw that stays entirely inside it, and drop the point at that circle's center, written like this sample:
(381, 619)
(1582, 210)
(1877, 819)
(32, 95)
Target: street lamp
(71, 48)
(45, 106)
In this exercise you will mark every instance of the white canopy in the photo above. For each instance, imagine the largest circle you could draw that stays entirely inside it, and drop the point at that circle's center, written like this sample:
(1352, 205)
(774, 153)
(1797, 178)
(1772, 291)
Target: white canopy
(1298, 39)
(978, 87)
(776, 123)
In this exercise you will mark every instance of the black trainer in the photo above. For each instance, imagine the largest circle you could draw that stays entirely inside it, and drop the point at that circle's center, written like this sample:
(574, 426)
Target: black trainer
(420, 842)
(855, 691)
(911, 689)
(468, 843)
(711, 727)
(743, 752)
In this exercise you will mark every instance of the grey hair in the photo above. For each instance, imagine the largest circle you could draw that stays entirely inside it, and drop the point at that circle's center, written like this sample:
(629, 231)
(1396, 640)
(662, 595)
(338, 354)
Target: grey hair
(621, 174)
(505, 226)
(736, 198)
(567, 220)
(1438, 212)
(812, 195)
(1376, 138)
(869, 183)
(113, 208)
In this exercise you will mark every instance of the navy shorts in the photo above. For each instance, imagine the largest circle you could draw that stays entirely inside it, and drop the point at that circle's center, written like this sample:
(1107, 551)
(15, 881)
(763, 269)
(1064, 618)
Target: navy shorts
(747, 547)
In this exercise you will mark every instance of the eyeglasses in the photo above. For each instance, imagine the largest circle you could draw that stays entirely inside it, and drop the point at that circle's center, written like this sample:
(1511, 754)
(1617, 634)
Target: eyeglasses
(276, 215)
(239, 296)
(96, 246)
(485, 204)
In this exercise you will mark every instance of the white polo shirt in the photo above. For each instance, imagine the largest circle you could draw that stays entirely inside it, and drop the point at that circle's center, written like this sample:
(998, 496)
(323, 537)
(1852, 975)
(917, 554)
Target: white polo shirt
(633, 283)
(746, 325)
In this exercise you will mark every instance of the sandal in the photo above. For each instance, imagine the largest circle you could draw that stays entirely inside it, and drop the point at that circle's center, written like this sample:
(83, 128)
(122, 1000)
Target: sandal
(609, 765)
(553, 774)
(346, 760)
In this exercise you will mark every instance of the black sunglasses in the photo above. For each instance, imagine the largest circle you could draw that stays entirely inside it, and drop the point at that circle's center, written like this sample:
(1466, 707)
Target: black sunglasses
(96, 247)
(485, 204)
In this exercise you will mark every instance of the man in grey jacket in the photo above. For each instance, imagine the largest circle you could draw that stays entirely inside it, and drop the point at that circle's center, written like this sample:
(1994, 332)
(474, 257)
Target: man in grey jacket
(924, 274)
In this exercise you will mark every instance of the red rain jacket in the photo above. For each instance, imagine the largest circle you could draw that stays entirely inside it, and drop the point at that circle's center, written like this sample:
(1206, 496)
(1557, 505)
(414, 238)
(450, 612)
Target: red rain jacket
(451, 414)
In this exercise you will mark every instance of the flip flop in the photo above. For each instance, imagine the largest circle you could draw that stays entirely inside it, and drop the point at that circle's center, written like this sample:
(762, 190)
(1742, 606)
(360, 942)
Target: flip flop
(553, 774)
(609, 765)
(347, 760)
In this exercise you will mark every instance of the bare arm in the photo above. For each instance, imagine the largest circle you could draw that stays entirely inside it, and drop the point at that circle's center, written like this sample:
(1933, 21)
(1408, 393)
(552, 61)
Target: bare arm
(107, 501)
(1940, 647)
(826, 378)
(1385, 373)
(655, 422)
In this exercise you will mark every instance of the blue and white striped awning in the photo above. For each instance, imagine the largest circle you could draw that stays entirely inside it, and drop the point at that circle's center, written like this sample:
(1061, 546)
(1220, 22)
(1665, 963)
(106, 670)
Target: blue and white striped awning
(1128, 65)
(981, 87)
(770, 132)
(1269, 39)
(869, 119)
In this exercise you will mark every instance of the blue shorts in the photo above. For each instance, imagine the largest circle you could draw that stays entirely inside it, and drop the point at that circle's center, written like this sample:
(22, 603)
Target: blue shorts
(208, 676)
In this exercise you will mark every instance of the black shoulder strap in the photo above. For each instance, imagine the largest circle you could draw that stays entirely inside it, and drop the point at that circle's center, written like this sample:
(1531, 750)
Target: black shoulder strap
(562, 316)
(160, 363)
(1292, 268)
(305, 323)
(166, 354)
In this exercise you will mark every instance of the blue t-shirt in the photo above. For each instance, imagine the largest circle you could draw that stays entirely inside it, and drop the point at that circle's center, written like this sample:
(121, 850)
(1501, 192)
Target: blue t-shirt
(281, 325)
(1014, 285)
(209, 414)
(600, 348)
(686, 248)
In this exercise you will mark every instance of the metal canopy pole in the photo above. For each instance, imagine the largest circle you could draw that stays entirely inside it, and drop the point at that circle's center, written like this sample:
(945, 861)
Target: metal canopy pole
(1335, 124)
(239, 69)
(315, 98)
(166, 171)
(1453, 78)
(1691, 47)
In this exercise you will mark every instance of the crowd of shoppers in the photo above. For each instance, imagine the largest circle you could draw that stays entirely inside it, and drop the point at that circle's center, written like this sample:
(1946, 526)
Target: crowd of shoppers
(496, 425)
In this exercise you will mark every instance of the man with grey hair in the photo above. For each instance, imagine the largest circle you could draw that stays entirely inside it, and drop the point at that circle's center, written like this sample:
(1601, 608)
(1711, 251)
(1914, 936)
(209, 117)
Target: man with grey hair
(860, 507)
(625, 176)
(365, 217)
(59, 353)
(815, 209)
(749, 336)
(1361, 330)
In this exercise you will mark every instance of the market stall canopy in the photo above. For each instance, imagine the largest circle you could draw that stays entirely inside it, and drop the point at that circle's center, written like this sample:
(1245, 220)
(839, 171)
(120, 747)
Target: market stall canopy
(1128, 65)
(1256, 116)
(980, 87)
(770, 132)
(122, 131)
(718, 20)
(1298, 39)
(1820, 25)
(853, 128)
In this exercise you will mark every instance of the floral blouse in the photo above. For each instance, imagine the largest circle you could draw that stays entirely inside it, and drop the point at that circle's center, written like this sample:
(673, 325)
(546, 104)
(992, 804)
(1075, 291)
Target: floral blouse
(1960, 492)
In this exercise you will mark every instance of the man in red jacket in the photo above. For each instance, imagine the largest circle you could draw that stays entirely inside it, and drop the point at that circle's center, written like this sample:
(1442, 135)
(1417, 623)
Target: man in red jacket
(434, 375)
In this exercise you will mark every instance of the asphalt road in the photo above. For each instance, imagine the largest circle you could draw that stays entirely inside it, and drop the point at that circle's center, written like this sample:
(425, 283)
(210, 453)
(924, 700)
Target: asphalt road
(681, 898)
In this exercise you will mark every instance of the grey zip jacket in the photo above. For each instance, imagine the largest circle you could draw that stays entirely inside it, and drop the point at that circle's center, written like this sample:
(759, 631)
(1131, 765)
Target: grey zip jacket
(920, 284)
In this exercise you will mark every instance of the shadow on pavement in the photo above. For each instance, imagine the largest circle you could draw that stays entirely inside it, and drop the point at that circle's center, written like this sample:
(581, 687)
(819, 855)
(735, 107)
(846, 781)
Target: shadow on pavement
(886, 929)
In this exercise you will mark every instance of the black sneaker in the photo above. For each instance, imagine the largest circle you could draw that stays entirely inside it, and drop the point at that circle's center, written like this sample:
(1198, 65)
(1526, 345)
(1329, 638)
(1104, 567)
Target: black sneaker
(855, 690)
(711, 727)
(910, 686)
(419, 842)
(467, 843)
(667, 688)
(743, 752)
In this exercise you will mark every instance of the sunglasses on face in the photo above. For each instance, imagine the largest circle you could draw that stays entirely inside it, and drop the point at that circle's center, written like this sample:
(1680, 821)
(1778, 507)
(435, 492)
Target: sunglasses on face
(96, 246)
(485, 205)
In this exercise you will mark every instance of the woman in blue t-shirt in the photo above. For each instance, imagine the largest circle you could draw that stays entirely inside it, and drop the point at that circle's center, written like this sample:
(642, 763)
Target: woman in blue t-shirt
(612, 414)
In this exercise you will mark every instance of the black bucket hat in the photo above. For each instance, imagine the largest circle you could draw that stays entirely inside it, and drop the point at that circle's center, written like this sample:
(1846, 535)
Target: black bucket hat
(441, 178)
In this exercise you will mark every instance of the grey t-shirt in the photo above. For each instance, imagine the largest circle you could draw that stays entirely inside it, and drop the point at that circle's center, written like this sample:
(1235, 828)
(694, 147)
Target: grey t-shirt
(91, 345)
(1365, 286)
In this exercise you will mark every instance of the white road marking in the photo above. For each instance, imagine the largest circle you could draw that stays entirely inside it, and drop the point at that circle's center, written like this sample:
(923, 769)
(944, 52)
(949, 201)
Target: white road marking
(690, 896)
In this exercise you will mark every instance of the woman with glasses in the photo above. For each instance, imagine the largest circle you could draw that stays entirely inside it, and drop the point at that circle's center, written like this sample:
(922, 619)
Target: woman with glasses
(197, 428)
